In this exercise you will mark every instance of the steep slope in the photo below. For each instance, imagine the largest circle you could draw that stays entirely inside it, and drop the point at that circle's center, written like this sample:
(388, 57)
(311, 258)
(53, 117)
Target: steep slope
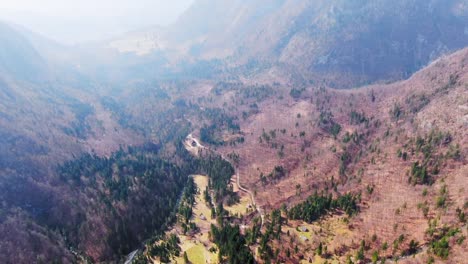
(365, 41)
(383, 131)
(400, 148)
(47, 108)
(254, 79)
(217, 34)
(18, 57)
(339, 43)
(45, 119)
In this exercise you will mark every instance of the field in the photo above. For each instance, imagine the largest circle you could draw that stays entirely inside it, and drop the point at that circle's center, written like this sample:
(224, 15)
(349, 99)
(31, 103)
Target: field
(197, 245)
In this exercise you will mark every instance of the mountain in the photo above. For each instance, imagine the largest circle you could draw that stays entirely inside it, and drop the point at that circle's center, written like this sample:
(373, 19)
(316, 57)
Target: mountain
(45, 119)
(94, 162)
(339, 43)
(372, 141)
(33, 92)
(398, 147)
(364, 41)
(18, 57)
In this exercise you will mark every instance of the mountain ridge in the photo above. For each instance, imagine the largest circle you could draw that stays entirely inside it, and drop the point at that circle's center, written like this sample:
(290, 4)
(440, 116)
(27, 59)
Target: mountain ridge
(321, 38)
(93, 163)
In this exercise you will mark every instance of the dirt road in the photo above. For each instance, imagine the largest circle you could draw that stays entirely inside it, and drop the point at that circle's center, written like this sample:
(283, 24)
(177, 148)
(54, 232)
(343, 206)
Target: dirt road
(192, 142)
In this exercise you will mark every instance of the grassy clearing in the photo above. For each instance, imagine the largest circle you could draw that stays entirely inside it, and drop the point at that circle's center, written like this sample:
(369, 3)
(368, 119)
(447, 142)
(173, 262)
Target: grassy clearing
(196, 254)
(320, 260)
(240, 207)
(196, 250)
(200, 207)
(197, 247)
(331, 231)
(298, 233)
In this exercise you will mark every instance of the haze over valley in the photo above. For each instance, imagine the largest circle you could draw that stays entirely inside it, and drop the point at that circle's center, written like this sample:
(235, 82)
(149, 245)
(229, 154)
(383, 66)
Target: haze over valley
(205, 131)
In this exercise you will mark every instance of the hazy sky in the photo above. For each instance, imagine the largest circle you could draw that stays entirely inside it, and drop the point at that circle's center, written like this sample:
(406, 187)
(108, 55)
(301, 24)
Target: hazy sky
(74, 21)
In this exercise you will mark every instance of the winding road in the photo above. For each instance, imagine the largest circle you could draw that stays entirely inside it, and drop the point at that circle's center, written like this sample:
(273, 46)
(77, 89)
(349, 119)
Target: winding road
(252, 198)
(190, 139)
(130, 257)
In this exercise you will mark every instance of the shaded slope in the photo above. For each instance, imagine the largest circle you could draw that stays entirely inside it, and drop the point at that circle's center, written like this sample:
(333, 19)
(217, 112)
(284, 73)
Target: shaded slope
(341, 43)
(18, 57)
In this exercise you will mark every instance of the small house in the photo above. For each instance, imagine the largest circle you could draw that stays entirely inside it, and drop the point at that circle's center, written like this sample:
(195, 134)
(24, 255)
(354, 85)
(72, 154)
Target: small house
(202, 217)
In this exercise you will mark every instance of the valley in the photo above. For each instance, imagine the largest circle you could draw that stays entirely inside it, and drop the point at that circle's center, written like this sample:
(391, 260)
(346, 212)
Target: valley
(245, 132)
(375, 139)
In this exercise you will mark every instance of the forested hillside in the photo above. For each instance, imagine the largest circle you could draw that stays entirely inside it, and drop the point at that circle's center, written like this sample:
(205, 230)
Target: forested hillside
(230, 134)
(341, 44)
